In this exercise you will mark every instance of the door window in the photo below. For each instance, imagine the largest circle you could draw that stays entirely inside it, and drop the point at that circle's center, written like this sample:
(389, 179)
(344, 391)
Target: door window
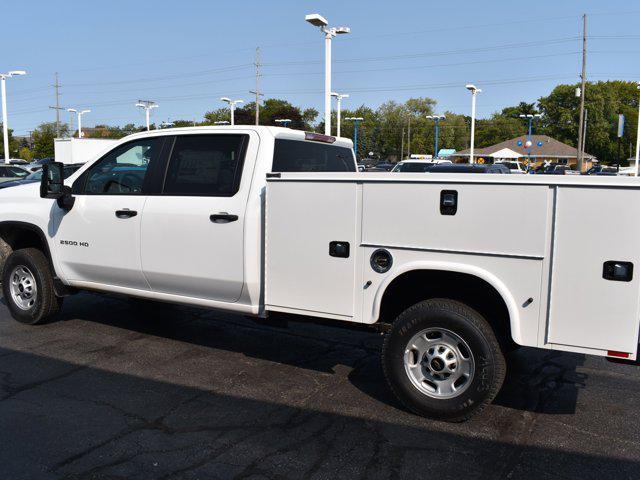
(205, 165)
(123, 170)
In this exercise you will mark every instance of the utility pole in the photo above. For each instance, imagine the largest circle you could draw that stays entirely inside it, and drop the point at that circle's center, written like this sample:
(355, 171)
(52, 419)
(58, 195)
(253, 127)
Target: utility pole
(579, 162)
(57, 108)
(409, 139)
(402, 146)
(257, 90)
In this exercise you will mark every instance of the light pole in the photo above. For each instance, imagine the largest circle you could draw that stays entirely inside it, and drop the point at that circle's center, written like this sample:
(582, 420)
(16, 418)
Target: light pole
(147, 105)
(79, 114)
(318, 20)
(437, 119)
(474, 91)
(529, 117)
(5, 127)
(356, 121)
(638, 136)
(283, 121)
(339, 97)
(232, 107)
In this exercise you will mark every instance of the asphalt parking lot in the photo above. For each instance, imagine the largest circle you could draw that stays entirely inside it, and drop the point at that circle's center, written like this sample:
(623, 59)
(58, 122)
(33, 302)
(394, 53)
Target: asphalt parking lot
(113, 390)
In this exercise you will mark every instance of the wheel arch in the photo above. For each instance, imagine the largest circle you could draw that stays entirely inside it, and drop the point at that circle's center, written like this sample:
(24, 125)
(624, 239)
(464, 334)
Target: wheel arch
(15, 235)
(447, 271)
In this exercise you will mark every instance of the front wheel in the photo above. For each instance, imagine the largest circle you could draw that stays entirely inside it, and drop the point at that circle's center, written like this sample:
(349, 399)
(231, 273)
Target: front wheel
(442, 360)
(27, 287)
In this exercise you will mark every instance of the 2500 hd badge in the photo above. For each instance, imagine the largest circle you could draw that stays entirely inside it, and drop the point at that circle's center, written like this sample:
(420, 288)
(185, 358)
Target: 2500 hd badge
(73, 243)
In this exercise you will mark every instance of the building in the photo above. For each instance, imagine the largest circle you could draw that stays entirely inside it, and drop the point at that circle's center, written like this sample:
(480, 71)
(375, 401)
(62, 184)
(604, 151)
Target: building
(544, 149)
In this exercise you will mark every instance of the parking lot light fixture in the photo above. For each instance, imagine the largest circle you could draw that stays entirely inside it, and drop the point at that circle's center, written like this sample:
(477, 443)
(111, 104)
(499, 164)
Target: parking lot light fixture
(283, 121)
(339, 97)
(638, 137)
(474, 92)
(147, 105)
(79, 114)
(530, 117)
(356, 121)
(437, 119)
(5, 126)
(318, 20)
(232, 107)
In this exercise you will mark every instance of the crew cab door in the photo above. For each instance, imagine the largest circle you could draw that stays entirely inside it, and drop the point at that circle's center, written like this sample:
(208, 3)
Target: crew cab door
(98, 240)
(192, 232)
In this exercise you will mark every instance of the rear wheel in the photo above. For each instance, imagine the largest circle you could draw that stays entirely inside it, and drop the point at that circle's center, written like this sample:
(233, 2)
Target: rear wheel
(27, 287)
(442, 360)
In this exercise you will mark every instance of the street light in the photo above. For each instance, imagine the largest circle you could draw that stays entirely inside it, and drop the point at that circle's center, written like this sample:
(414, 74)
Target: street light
(318, 20)
(79, 113)
(283, 121)
(339, 97)
(474, 91)
(5, 127)
(147, 105)
(232, 107)
(356, 121)
(437, 119)
(638, 137)
(529, 117)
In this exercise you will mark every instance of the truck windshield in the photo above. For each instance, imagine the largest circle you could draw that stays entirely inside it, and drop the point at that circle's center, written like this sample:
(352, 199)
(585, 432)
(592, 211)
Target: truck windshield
(305, 156)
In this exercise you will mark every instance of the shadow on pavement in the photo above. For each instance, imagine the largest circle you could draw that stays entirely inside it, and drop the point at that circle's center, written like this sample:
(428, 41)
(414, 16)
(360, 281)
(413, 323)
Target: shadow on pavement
(61, 419)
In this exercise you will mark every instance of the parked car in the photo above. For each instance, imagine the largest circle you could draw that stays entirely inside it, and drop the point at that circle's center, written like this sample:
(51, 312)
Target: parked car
(556, 169)
(9, 173)
(362, 167)
(382, 167)
(262, 222)
(37, 176)
(469, 168)
(418, 166)
(513, 165)
(602, 170)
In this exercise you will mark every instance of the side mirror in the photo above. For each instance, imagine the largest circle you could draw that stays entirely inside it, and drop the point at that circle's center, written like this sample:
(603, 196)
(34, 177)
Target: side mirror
(52, 182)
(52, 185)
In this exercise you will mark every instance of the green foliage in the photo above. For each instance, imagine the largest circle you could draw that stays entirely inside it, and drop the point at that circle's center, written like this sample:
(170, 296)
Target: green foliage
(43, 138)
(14, 146)
(603, 102)
(25, 154)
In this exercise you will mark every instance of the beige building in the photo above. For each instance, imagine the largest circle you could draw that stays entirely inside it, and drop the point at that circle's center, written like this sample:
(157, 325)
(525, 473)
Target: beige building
(543, 149)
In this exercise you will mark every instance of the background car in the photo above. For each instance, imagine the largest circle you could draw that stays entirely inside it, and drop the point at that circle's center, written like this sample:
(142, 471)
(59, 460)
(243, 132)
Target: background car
(469, 168)
(557, 169)
(382, 167)
(602, 170)
(37, 176)
(9, 173)
(514, 165)
(418, 166)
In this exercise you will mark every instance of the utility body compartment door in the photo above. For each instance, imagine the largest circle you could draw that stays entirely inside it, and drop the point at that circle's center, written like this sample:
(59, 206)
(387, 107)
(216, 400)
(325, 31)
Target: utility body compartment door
(594, 226)
(303, 219)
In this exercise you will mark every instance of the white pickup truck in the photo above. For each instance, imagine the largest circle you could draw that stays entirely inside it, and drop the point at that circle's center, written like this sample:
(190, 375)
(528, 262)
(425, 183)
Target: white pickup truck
(454, 269)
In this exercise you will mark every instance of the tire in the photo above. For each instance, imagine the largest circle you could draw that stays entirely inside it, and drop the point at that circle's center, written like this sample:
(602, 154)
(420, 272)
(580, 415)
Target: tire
(442, 360)
(27, 287)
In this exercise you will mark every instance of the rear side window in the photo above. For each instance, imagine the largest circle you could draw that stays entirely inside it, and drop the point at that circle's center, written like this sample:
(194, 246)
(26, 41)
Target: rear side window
(305, 156)
(205, 165)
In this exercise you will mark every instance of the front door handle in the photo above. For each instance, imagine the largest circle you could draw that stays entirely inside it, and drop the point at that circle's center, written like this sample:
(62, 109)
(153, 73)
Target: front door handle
(223, 217)
(126, 213)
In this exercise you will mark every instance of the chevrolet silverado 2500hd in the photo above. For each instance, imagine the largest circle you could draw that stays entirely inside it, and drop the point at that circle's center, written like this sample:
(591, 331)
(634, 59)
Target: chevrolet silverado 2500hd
(454, 269)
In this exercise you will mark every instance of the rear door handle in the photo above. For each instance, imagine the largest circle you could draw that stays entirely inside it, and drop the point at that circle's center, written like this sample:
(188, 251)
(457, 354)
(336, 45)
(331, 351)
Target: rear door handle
(126, 213)
(223, 217)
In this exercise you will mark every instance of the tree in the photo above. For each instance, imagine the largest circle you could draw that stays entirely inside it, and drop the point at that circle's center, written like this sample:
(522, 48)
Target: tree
(43, 139)
(13, 144)
(603, 102)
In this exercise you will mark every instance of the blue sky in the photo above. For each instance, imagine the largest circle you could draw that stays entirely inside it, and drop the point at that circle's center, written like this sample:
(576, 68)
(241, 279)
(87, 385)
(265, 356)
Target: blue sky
(187, 54)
